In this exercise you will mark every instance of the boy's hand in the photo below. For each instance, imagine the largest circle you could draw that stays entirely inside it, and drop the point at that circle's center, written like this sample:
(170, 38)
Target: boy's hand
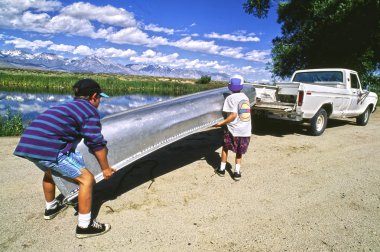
(219, 124)
(107, 173)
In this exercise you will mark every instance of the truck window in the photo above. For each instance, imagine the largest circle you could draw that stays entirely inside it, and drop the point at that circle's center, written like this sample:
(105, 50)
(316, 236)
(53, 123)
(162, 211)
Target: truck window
(354, 81)
(323, 76)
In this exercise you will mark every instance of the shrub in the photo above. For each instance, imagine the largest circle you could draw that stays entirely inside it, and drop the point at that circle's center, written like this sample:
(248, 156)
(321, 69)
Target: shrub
(11, 124)
(205, 79)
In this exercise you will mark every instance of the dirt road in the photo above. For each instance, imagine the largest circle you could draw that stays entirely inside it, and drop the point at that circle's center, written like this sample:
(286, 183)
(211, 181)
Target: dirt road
(297, 193)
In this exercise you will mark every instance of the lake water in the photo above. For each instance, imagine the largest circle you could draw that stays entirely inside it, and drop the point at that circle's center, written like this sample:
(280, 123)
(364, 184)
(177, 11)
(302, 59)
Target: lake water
(30, 105)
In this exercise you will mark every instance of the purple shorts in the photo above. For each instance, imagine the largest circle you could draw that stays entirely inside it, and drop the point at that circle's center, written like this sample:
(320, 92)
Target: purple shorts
(239, 145)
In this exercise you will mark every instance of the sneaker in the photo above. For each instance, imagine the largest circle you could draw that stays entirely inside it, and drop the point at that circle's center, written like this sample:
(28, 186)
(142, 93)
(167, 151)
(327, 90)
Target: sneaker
(95, 228)
(220, 172)
(51, 213)
(237, 176)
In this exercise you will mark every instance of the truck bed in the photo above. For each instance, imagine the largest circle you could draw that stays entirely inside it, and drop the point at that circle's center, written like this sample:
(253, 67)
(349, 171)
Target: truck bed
(274, 106)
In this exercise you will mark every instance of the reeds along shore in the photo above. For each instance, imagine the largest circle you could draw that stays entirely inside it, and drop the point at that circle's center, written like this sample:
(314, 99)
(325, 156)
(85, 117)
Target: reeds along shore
(36, 81)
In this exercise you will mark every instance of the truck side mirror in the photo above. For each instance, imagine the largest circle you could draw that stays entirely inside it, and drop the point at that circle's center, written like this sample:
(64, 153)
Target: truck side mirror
(366, 88)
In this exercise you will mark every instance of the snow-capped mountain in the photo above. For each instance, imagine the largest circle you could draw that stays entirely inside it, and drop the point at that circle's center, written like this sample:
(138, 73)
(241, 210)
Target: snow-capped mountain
(158, 70)
(49, 61)
(97, 65)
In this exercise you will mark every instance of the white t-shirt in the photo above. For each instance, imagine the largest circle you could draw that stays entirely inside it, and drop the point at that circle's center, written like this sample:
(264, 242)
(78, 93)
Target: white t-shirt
(239, 103)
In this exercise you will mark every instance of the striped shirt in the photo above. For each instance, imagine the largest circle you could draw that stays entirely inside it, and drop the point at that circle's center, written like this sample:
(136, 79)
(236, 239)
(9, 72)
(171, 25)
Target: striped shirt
(60, 129)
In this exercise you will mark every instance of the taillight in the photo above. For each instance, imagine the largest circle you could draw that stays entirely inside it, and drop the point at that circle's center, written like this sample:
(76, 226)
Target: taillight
(300, 98)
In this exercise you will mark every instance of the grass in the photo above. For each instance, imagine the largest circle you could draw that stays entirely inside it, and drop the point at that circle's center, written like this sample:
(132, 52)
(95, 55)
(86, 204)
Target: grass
(36, 81)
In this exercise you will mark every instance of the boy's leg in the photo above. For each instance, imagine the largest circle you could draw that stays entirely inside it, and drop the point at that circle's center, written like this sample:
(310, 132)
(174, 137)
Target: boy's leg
(53, 207)
(224, 155)
(48, 186)
(223, 161)
(238, 162)
(86, 182)
(87, 226)
(237, 174)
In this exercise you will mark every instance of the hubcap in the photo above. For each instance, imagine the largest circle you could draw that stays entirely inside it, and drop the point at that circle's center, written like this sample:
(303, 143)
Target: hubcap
(320, 123)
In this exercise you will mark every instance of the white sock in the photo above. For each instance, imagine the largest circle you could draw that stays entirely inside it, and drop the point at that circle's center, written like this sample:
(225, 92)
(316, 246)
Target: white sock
(52, 204)
(237, 168)
(222, 166)
(84, 220)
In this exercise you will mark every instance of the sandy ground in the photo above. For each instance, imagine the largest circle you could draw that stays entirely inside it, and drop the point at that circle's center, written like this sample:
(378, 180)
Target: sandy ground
(297, 193)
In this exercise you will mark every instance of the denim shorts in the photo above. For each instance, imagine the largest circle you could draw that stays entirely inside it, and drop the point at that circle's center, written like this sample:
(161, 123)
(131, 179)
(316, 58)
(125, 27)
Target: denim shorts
(68, 165)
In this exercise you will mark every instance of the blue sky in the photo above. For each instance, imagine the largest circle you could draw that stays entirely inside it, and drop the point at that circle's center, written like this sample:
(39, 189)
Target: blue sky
(208, 35)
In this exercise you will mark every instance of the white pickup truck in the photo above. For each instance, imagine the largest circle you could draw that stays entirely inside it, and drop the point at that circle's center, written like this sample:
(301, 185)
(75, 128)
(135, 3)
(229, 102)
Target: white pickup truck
(315, 95)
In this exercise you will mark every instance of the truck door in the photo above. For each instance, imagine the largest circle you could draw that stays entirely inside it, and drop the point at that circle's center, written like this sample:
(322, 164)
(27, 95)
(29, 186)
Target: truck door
(355, 91)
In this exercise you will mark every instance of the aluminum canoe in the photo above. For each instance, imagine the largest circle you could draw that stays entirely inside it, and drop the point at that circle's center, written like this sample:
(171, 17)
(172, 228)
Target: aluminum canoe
(135, 133)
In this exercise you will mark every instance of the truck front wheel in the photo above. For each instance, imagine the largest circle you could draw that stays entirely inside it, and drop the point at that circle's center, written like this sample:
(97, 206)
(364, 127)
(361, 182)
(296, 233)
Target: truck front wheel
(362, 119)
(318, 123)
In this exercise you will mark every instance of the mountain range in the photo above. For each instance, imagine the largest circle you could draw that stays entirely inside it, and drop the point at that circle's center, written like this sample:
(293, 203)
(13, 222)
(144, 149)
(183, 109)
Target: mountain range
(94, 64)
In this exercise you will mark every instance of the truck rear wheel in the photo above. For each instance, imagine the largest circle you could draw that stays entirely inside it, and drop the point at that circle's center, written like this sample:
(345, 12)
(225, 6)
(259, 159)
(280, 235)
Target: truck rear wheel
(362, 119)
(318, 123)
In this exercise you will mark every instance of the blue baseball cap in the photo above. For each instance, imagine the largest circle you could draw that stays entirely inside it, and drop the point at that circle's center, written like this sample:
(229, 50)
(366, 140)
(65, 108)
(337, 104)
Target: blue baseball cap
(236, 83)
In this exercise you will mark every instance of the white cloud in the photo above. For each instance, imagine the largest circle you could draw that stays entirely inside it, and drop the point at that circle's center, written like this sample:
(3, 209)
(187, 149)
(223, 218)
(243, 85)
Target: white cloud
(61, 48)
(103, 52)
(173, 60)
(83, 50)
(80, 50)
(232, 52)
(66, 24)
(196, 45)
(232, 37)
(135, 36)
(260, 56)
(39, 5)
(156, 28)
(21, 5)
(33, 45)
(38, 20)
(104, 14)
(151, 57)
(114, 53)
(14, 14)
(211, 48)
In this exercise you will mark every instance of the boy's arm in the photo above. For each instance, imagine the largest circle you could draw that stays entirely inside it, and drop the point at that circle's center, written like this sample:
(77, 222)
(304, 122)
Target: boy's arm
(231, 116)
(101, 156)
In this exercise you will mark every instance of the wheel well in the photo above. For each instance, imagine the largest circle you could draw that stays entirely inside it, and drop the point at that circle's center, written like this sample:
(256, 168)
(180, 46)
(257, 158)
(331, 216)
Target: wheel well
(327, 108)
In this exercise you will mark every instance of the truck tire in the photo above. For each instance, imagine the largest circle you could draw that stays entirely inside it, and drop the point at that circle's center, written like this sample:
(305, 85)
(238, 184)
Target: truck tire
(362, 119)
(318, 123)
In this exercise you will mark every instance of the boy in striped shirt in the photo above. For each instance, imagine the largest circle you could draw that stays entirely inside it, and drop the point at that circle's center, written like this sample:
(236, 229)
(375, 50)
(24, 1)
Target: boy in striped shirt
(50, 142)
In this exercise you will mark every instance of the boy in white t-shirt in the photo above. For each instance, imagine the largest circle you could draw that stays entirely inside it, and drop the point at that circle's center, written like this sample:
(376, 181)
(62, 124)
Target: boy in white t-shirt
(238, 132)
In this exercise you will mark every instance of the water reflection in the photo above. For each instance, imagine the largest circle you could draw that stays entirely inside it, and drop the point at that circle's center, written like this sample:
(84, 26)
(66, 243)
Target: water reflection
(30, 105)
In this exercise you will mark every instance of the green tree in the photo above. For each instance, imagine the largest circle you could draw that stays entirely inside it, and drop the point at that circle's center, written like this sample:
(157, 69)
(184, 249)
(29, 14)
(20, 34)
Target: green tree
(258, 8)
(324, 33)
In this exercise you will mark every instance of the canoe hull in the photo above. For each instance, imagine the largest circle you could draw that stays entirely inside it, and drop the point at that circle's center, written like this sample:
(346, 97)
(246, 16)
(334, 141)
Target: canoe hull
(136, 133)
